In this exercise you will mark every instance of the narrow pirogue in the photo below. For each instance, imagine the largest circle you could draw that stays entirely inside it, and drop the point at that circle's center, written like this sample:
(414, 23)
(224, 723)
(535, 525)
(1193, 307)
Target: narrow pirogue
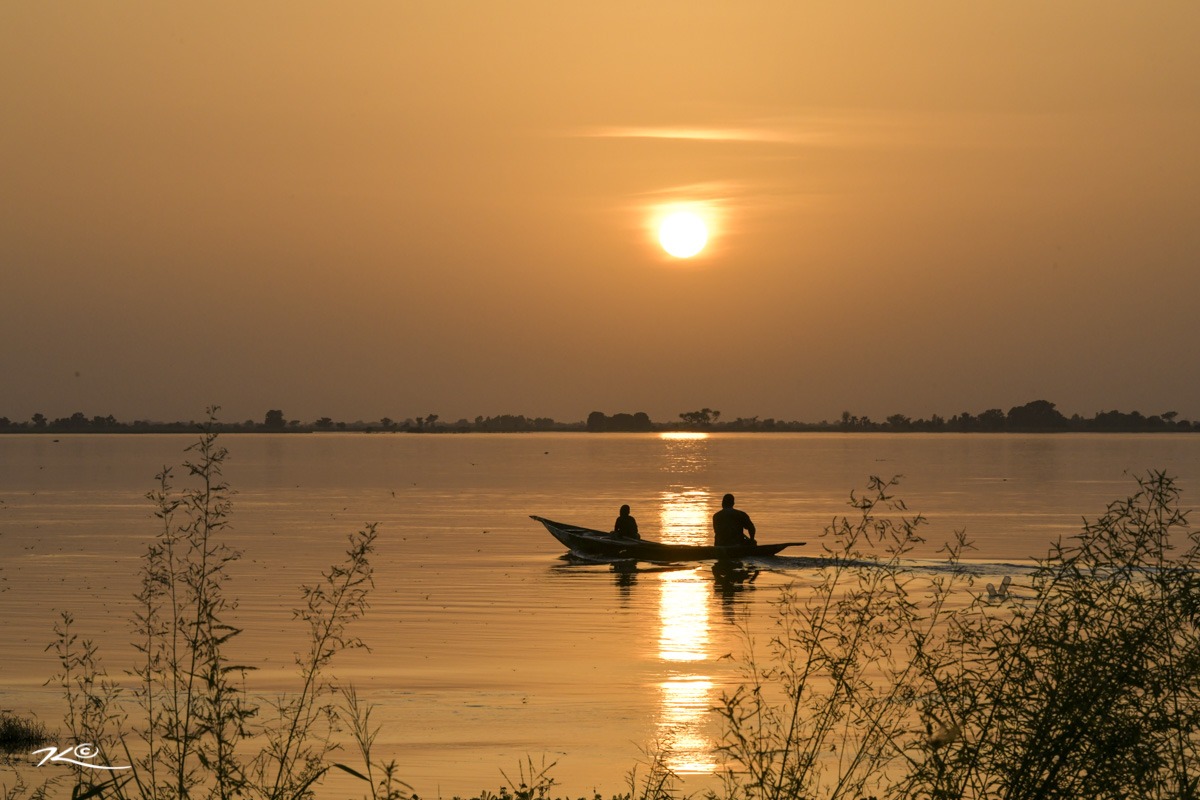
(591, 542)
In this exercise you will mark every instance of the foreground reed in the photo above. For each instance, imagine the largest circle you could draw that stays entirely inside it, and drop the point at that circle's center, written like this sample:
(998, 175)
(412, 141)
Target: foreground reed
(822, 711)
(1089, 686)
(182, 721)
(20, 734)
(881, 682)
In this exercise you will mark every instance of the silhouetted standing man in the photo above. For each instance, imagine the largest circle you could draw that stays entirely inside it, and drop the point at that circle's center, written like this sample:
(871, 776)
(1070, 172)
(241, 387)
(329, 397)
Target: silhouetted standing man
(728, 524)
(626, 525)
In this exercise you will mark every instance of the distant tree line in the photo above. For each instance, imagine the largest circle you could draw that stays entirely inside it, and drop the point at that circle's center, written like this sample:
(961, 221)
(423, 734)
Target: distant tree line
(275, 421)
(599, 422)
(1039, 416)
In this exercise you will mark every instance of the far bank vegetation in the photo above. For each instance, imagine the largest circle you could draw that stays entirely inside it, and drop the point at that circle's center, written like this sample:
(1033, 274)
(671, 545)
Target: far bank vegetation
(1038, 416)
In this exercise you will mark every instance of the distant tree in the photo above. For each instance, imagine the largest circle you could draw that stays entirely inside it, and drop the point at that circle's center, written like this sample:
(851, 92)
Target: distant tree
(1039, 415)
(992, 420)
(962, 422)
(700, 419)
(849, 422)
(324, 423)
(621, 422)
(430, 419)
(598, 421)
(341, 426)
(386, 423)
(274, 420)
(899, 422)
(39, 420)
(1117, 421)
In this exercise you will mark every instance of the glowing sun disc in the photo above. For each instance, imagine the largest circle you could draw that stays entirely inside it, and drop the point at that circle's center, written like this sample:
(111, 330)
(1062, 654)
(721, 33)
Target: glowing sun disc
(683, 234)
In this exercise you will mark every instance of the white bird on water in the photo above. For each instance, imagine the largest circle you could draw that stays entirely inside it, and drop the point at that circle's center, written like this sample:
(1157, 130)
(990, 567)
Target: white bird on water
(940, 733)
(1002, 592)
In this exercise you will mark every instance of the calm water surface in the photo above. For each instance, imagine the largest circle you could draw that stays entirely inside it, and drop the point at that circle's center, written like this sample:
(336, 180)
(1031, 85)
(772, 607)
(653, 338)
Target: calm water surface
(486, 648)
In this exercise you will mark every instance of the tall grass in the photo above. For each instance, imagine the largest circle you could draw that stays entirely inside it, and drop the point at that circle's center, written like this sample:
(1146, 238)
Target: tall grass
(183, 720)
(1090, 685)
(883, 680)
(823, 713)
(20, 734)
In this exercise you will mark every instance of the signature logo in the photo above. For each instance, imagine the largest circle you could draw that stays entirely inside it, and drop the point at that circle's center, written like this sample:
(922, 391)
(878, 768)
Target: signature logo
(71, 754)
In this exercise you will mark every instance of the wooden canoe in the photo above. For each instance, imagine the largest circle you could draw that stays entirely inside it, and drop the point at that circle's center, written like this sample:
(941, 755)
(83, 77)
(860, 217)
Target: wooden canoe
(591, 542)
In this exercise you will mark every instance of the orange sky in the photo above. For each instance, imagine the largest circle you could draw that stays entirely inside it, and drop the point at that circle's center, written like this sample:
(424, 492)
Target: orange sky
(390, 209)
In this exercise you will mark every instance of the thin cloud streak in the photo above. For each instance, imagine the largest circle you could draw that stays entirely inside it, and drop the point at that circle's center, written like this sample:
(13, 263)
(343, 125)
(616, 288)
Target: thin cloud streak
(830, 128)
(703, 134)
(863, 128)
(709, 189)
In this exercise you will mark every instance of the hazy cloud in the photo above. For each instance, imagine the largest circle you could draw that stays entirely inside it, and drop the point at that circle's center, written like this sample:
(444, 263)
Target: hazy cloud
(767, 135)
(854, 128)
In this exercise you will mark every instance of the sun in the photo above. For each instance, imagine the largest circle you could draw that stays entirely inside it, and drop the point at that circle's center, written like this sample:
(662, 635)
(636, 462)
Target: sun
(683, 234)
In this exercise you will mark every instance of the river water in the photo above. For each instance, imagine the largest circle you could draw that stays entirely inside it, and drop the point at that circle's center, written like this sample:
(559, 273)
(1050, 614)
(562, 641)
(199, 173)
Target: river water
(486, 648)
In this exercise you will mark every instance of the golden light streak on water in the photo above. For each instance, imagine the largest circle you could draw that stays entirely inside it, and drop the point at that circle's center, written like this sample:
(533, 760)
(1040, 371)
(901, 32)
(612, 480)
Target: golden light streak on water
(685, 517)
(682, 436)
(685, 698)
(683, 609)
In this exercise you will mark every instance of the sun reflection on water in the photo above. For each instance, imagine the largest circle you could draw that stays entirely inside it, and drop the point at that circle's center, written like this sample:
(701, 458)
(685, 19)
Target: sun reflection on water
(686, 697)
(682, 436)
(684, 516)
(685, 451)
(683, 608)
(686, 703)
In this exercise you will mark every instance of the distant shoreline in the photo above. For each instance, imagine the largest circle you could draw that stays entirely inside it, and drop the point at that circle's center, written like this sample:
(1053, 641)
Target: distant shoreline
(565, 428)
(1038, 416)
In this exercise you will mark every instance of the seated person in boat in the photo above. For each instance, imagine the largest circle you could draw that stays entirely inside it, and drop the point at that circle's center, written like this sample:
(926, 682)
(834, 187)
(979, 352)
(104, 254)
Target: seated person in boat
(728, 524)
(626, 525)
